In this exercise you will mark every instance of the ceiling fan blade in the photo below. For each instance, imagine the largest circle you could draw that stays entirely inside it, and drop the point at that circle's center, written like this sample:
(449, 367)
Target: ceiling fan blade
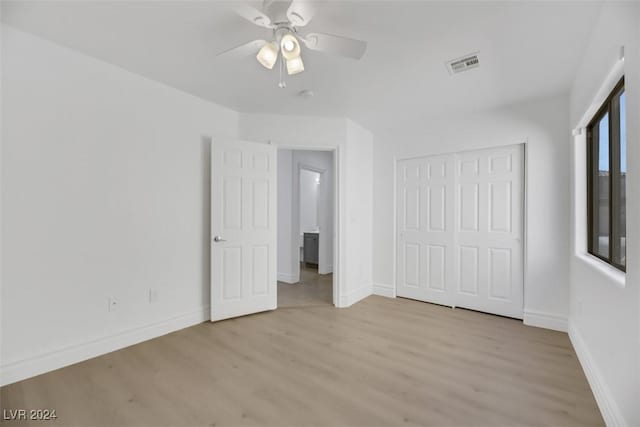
(336, 45)
(243, 50)
(300, 12)
(252, 15)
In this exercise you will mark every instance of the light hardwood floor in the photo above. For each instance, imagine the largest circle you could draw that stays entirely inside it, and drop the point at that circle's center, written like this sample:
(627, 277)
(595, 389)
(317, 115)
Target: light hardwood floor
(380, 362)
(313, 289)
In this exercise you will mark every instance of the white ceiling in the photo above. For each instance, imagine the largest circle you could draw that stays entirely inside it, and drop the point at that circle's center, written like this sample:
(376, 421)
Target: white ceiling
(527, 50)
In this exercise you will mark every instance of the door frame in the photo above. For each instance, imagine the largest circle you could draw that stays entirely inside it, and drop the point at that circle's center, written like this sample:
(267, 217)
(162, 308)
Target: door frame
(338, 215)
(525, 202)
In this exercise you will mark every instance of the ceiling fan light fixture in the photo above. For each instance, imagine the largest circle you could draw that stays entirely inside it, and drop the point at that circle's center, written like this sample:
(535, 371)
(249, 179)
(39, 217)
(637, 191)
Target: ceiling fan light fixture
(284, 19)
(268, 55)
(295, 65)
(290, 46)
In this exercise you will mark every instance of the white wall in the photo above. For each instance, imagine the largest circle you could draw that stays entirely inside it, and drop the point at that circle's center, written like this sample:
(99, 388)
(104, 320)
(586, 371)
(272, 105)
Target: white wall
(543, 125)
(359, 218)
(105, 192)
(605, 308)
(286, 249)
(355, 191)
(309, 194)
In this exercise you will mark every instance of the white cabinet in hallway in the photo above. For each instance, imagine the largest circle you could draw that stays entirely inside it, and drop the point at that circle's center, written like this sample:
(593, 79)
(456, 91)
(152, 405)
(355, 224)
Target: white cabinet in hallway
(460, 229)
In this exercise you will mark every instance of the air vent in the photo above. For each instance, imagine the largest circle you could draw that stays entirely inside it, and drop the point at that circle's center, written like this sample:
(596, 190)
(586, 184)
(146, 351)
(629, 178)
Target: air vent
(465, 63)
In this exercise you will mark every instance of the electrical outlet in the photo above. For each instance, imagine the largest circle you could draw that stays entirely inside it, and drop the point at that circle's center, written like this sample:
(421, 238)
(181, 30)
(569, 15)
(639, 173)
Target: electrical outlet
(153, 296)
(113, 304)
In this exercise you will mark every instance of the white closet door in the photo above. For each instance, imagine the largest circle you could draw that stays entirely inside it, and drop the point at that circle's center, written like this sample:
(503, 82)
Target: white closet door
(460, 230)
(489, 230)
(425, 229)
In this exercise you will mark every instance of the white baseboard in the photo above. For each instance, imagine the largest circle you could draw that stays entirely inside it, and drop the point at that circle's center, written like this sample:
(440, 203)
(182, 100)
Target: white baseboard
(288, 278)
(353, 297)
(384, 290)
(27, 368)
(327, 270)
(608, 407)
(542, 319)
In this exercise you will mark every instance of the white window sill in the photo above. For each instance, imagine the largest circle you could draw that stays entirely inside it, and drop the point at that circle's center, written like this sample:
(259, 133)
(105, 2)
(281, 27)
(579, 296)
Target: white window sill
(608, 271)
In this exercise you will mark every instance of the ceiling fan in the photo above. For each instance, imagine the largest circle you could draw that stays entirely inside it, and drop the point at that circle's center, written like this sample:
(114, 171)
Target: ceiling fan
(285, 18)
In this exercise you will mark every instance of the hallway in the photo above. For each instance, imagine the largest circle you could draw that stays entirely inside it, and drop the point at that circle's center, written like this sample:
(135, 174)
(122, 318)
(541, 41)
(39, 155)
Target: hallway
(313, 290)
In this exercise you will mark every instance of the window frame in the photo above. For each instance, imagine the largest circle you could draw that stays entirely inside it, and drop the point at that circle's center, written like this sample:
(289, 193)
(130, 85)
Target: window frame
(613, 109)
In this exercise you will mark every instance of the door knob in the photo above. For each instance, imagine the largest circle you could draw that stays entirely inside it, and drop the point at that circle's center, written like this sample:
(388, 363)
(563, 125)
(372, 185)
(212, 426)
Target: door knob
(218, 239)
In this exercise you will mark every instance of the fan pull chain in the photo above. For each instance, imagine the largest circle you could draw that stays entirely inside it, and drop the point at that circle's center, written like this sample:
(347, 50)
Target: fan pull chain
(282, 83)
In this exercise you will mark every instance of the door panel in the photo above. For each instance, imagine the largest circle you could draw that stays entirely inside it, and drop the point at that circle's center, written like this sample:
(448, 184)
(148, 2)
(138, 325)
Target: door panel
(425, 229)
(232, 272)
(436, 267)
(260, 269)
(437, 200)
(243, 269)
(460, 234)
(260, 207)
(468, 270)
(500, 273)
(498, 237)
(500, 206)
(467, 207)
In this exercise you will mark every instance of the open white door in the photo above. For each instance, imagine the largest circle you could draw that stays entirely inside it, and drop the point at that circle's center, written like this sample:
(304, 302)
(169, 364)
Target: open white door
(243, 228)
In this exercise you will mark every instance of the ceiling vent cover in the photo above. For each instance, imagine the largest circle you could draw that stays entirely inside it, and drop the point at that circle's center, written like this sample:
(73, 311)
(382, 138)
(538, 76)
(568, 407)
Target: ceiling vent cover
(464, 63)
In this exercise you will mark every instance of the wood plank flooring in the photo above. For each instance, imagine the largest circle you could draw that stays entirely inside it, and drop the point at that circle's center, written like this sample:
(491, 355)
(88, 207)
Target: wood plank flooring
(313, 289)
(381, 362)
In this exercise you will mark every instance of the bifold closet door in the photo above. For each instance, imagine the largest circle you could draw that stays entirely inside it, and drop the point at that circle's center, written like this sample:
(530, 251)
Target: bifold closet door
(489, 230)
(460, 230)
(425, 229)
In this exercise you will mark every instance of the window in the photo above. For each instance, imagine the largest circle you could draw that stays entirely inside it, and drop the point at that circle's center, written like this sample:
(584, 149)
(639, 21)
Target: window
(606, 180)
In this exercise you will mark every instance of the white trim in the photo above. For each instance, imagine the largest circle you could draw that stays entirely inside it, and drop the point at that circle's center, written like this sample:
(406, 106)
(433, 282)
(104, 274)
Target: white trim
(384, 290)
(30, 367)
(525, 226)
(394, 264)
(543, 319)
(607, 270)
(354, 296)
(579, 200)
(339, 216)
(608, 407)
(609, 83)
(288, 278)
(328, 271)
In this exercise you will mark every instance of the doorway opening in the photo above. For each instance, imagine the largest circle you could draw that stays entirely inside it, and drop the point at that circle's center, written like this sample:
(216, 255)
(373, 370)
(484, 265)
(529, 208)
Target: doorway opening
(306, 224)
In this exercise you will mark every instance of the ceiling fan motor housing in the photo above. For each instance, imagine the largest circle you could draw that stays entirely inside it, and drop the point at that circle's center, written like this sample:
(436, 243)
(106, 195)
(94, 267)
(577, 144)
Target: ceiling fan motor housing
(276, 10)
(281, 31)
